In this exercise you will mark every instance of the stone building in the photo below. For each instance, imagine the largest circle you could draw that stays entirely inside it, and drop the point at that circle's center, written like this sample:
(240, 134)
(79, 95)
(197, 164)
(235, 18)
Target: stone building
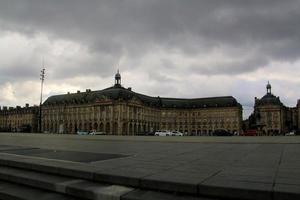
(297, 114)
(19, 119)
(272, 117)
(120, 111)
(292, 119)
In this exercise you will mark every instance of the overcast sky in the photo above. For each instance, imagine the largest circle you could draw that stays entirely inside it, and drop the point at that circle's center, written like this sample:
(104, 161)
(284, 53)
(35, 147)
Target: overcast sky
(169, 48)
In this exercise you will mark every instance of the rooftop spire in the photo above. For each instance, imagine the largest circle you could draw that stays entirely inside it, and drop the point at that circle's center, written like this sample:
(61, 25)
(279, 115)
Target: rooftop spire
(269, 87)
(118, 79)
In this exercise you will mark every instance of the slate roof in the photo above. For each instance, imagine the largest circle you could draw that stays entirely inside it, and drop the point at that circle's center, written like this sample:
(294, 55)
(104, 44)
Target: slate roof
(269, 99)
(118, 92)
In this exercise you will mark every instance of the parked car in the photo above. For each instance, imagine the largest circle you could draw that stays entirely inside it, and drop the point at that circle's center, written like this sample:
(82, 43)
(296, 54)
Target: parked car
(222, 132)
(250, 132)
(82, 133)
(177, 133)
(292, 133)
(163, 133)
(150, 133)
(97, 133)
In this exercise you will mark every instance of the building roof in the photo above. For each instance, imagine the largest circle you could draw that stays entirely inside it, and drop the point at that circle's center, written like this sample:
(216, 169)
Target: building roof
(268, 99)
(121, 93)
(19, 109)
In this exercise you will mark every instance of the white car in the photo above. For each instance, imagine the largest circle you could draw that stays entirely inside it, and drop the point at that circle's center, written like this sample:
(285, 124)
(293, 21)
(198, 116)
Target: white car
(82, 133)
(177, 133)
(97, 133)
(290, 134)
(163, 133)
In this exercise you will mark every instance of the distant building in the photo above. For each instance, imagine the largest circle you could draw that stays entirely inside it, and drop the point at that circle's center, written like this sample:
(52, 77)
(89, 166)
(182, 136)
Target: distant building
(271, 116)
(19, 119)
(292, 118)
(297, 113)
(120, 111)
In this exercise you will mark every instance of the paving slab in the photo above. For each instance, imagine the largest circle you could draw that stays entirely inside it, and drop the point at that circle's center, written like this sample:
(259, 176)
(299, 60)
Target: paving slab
(26, 151)
(203, 169)
(226, 187)
(12, 147)
(95, 191)
(154, 195)
(290, 165)
(31, 178)
(286, 192)
(288, 181)
(74, 156)
(62, 184)
(130, 176)
(176, 181)
(9, 191)
(66, 168)
(249, 171)
(287, 173)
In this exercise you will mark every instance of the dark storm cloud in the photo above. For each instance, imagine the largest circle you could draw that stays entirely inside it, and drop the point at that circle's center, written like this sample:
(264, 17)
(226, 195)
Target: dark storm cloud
(134, 28)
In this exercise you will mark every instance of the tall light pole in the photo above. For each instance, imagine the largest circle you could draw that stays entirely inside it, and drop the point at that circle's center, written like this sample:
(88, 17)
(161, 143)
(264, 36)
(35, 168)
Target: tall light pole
(42, 78)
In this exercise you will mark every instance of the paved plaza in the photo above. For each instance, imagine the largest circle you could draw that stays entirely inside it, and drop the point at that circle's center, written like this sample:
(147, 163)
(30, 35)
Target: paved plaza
(198, 167)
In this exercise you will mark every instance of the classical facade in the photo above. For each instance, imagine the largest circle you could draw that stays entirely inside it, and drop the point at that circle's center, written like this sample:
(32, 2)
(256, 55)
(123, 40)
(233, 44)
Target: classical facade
(120, 111)
(19, 119)
(297, 114)
(272, 117)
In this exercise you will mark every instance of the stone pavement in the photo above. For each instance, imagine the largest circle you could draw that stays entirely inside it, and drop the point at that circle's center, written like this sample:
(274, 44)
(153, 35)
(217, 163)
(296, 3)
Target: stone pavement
(195, 167)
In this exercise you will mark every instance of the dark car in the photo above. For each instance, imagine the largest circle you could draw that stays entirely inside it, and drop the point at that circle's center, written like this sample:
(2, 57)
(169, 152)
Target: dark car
(221, 132)
(150, 133)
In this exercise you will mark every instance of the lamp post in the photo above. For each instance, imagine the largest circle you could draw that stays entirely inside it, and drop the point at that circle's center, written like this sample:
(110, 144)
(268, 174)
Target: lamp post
(42, 78)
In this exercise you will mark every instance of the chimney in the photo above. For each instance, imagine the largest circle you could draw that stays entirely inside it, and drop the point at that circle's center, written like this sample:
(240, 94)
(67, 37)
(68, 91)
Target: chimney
(78, 91)
(27, 105)
(129, 88)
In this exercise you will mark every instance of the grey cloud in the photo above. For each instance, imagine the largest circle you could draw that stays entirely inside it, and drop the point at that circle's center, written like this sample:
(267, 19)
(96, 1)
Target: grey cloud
(112, 29)
(161, 78)
(237, 66)
(133, 22)
(100, 66)
(18, 72)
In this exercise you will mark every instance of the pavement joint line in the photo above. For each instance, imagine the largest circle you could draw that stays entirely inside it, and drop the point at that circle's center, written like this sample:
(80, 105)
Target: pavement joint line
(214, 174)
(276, 172)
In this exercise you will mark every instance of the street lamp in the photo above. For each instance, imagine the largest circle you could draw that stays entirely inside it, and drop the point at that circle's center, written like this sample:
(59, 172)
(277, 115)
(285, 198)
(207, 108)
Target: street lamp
(42, 78)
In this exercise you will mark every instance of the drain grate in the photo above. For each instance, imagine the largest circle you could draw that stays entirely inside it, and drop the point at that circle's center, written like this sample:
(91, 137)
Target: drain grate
(75, 156)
